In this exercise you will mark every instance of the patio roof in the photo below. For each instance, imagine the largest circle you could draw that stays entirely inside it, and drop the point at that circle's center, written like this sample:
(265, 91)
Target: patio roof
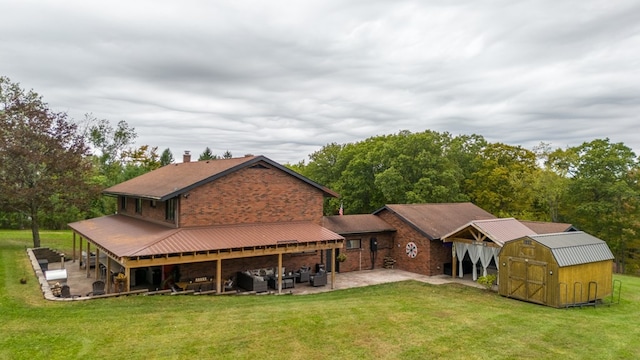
(124, 236)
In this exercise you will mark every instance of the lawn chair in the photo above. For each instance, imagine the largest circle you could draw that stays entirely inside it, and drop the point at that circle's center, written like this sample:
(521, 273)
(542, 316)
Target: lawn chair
(65, 292)
(98, 288)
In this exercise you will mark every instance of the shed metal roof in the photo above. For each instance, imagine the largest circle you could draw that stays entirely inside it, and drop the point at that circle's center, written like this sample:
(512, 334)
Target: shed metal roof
(576, 247)
(129, 237)
(436, 220)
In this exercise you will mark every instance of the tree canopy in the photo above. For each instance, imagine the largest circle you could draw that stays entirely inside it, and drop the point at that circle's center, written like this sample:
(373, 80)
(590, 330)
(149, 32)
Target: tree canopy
(43, 167)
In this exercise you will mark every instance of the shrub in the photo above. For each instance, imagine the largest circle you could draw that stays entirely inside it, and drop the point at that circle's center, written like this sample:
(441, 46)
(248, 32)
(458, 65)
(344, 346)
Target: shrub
(487, 281)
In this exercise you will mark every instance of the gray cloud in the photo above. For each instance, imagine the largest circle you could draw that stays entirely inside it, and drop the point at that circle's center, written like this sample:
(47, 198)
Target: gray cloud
(283, 78)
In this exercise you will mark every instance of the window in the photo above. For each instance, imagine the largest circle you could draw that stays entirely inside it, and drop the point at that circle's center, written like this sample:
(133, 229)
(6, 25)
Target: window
(152, 203)
(170, 209)
(138, 206)
(354, 244)
(123, 203)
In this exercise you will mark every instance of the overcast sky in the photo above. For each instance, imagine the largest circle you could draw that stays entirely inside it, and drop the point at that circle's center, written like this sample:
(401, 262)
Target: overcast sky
(284, 78)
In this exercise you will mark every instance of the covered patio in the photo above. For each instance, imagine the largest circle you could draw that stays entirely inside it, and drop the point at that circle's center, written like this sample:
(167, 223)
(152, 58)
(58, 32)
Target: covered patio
(125, 245)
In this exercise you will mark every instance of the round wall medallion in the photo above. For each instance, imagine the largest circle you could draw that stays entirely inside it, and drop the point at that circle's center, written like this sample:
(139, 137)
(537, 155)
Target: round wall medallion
(412, 250)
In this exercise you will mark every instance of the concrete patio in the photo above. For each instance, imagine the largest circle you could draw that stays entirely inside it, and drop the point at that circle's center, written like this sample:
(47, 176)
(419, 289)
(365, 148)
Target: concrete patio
(81, 285)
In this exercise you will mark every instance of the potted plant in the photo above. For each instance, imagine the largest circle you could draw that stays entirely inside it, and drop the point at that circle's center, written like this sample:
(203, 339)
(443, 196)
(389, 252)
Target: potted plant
(120, 282)
(342, 257)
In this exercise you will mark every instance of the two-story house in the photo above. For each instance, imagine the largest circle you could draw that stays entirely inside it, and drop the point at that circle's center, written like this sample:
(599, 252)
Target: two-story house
(209, 219)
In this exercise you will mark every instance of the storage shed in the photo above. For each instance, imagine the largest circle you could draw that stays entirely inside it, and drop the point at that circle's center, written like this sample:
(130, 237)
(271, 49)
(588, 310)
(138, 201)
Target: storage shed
(558, 270)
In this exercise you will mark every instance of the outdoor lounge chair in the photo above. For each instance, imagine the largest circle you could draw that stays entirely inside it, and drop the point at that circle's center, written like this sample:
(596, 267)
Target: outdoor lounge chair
(65, 292)
(319, 279)
(98, 288)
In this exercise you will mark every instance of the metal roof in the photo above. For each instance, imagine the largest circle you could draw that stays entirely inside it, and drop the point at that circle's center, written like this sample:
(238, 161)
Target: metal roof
(436, 220)
(128, 237)
(356, 224)
(174, 179)
(576, 247)
(542, 227)
(498, 230)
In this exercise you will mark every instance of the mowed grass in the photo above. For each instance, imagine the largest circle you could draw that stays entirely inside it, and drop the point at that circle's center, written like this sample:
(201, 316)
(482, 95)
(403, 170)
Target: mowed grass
(406, 320)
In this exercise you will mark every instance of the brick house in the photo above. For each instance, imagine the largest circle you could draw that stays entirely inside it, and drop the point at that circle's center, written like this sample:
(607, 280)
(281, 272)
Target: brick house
(209, 220)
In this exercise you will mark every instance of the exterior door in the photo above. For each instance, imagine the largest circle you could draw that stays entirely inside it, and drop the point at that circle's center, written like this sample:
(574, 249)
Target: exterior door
(328, 264)
(527, 280)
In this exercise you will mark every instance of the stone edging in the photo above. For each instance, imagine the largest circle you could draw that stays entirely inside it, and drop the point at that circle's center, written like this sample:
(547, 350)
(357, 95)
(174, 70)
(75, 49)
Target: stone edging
(44, 285)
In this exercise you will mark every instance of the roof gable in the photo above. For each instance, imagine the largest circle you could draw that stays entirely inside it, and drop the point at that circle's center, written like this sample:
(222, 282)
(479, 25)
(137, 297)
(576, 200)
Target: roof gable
(174, 179)
(436, 220)
(497, 230)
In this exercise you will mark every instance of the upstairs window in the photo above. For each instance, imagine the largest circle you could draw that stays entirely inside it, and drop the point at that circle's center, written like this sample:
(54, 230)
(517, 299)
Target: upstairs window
(170, 209)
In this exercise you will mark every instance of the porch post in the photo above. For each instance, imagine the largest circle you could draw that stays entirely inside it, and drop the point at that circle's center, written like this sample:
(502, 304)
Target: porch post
(109, 275)
(279, 274)
(87, 262)
(80, 248)
(127, 273)
(74, 247)
(333, 268)
(97, 262)
(218, 276)
(454, 264)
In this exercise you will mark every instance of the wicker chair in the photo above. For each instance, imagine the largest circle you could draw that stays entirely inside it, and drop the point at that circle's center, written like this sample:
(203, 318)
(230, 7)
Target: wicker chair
(319, 279)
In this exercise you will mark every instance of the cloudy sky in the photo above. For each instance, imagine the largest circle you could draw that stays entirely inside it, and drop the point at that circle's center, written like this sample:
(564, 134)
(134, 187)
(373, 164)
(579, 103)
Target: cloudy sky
(284, 78)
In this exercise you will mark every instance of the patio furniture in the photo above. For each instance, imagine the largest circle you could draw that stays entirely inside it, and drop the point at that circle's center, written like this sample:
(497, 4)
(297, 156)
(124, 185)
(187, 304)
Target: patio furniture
(65, 292)
(251, 282)
(303, 275)
(319, 279)
(98, 288)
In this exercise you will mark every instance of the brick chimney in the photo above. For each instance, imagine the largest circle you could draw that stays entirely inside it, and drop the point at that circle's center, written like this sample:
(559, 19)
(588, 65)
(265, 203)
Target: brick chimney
(186, 157)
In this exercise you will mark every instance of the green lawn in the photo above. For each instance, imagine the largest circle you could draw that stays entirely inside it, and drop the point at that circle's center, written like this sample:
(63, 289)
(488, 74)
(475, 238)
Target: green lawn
(407, 320)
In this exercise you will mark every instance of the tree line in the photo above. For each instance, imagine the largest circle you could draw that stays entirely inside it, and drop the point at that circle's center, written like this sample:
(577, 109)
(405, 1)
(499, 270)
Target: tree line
(594, 186)
(53, 169)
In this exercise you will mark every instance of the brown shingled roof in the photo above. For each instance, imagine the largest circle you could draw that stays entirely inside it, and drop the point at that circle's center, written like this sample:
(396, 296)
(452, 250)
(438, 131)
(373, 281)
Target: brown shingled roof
(128, 237)
(436, 220)
(541, 227)
(175, 179)
(356, 224)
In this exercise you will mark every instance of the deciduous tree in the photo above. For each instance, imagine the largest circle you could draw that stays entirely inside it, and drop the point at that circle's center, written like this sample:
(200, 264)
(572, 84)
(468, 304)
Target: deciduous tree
(42, 157)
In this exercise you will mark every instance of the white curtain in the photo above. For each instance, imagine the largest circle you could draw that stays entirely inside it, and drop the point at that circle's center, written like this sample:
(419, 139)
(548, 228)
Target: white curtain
(486, 253)
(474, 254)
(461, 248)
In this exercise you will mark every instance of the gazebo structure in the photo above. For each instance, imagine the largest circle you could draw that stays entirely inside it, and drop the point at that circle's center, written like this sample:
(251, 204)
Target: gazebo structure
(482, 240)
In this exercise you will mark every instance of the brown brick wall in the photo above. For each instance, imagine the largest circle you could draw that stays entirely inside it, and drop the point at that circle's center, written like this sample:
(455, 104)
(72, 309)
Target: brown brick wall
(251, 195)
(155, 214)
(360, 259)
(432, 255)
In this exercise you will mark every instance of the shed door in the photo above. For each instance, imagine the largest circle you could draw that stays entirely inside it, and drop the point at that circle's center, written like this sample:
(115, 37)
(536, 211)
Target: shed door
(527, 280)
